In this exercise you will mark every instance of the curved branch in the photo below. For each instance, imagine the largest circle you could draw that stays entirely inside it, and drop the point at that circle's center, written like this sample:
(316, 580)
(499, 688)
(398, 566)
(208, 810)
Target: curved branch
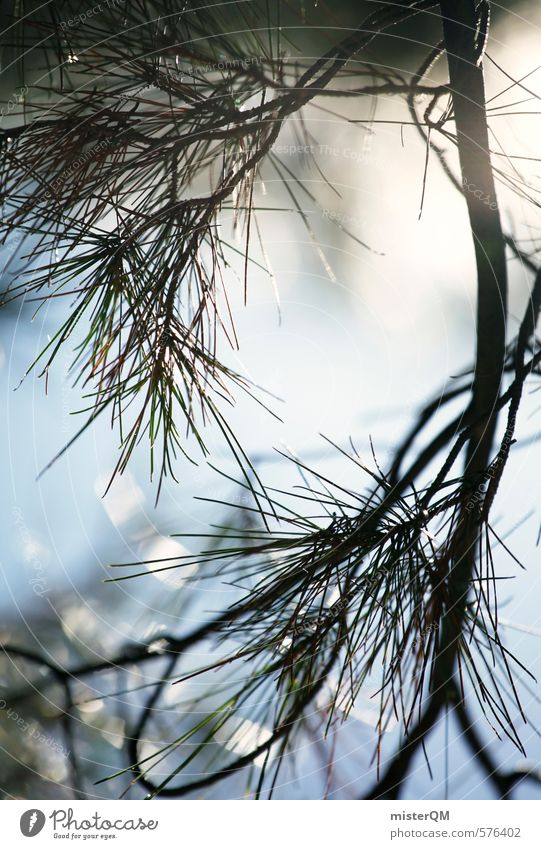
(459, 18)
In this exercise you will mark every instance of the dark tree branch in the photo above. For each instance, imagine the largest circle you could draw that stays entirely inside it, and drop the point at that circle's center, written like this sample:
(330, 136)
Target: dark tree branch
(459, 18)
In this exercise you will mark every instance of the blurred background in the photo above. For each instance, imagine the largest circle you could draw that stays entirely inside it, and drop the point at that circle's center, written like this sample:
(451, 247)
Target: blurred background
(348, 340)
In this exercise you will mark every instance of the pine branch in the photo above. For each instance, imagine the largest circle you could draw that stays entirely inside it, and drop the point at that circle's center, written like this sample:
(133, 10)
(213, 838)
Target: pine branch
(460, 25)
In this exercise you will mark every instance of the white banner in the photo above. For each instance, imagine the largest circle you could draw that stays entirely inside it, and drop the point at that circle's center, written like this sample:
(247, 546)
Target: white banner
(271, 825)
